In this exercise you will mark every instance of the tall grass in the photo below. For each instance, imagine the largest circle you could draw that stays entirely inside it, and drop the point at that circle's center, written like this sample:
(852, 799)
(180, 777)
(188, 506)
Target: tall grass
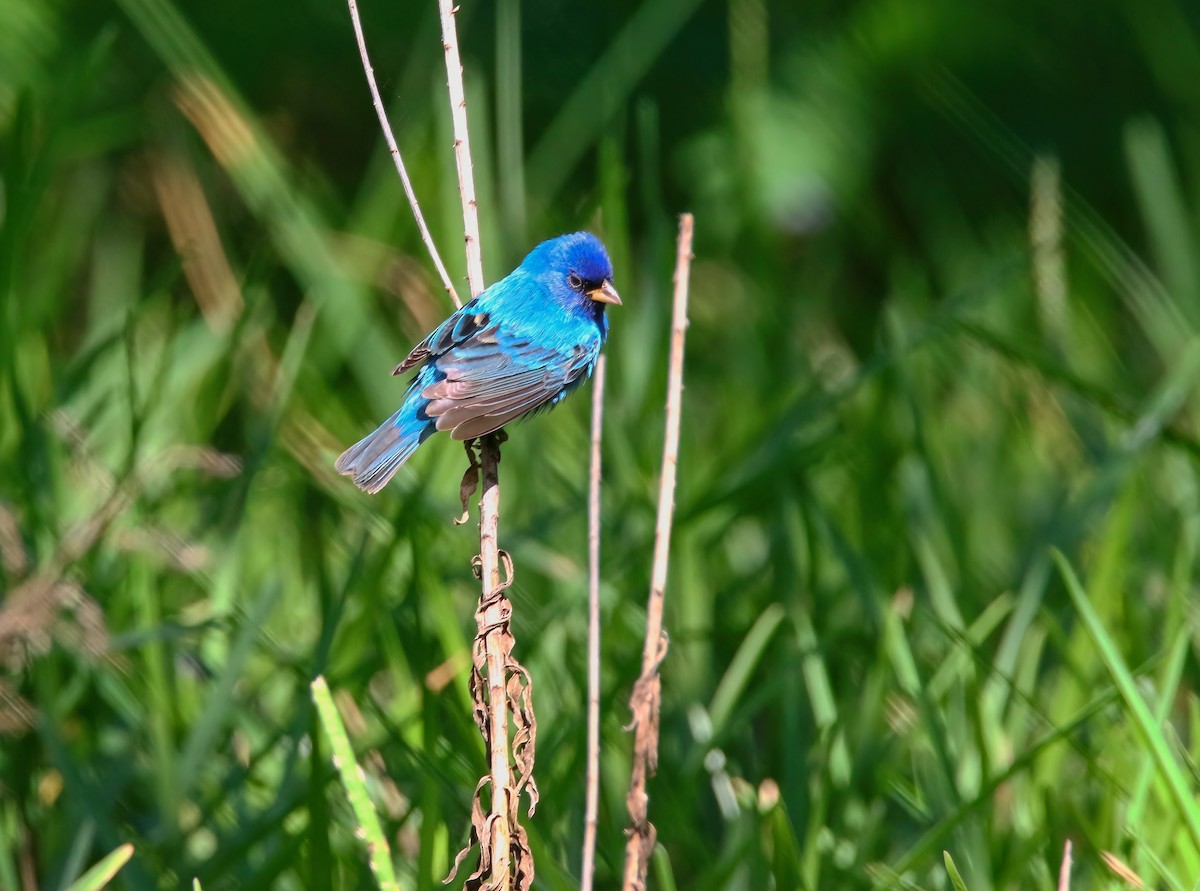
(207, 270)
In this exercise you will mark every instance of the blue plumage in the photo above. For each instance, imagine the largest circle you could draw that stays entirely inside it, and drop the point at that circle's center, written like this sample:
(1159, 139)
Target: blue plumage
(520, 346)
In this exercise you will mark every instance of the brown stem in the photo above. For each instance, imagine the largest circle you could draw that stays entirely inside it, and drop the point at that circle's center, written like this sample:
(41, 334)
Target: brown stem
(397, 159)
(493, 625)
(1064, 871)
(591, 811)
(462, 146)
(505, 857)
(502, 693)
(645, 699)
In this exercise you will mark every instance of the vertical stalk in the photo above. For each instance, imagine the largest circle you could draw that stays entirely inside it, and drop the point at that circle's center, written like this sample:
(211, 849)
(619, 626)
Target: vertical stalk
(501, 837)
(646, 697)
(591, 812)
(462, 147)
(394, 149)
(492, 618)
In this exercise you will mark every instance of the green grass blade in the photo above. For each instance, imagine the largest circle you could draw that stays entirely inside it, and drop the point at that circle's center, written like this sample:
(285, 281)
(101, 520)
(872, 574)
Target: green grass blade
(737, 677)
(1168, 220)
(1157, 863)
(81, 845)
(952, 871)
(664, 873)
(929, 842)
(1144, 722)
(222, 701)
(354, 780)
(104, 871)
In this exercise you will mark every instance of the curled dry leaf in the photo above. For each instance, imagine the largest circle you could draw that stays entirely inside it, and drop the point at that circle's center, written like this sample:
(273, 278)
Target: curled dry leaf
(469, 486)
(522, 856)
(520, 701)
(647, 691)
(480, 836)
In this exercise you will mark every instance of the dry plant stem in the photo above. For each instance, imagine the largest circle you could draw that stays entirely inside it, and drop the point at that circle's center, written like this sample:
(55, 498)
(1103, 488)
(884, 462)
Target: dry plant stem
(1064, 871)
(644, 701)
(494, 607)
(591, 812)
(399, 161)
(462, 147)
(501, 691)
(494, 626)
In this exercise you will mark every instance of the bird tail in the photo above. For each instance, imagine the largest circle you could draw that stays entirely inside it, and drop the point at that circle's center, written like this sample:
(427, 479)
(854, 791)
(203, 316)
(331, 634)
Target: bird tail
(374, 460)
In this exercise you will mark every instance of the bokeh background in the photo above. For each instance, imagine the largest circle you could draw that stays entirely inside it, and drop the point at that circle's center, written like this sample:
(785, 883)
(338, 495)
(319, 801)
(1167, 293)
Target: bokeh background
(944, 322)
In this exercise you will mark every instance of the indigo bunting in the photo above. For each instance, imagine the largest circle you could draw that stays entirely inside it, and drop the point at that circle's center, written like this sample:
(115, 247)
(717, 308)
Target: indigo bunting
(519, 347)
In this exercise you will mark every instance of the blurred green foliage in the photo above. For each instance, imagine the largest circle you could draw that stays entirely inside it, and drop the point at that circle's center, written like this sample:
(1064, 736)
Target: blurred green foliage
(944, 319)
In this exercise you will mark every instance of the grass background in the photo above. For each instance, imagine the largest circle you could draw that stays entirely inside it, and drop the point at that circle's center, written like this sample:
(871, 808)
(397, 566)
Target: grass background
(944, 317)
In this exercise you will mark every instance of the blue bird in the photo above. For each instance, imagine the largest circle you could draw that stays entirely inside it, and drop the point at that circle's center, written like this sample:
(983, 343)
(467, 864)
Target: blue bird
(519, 347)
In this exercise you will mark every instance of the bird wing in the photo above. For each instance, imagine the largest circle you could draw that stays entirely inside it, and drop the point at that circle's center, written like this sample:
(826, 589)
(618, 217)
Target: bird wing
(484, 375)
(491, 378)
(460, 326)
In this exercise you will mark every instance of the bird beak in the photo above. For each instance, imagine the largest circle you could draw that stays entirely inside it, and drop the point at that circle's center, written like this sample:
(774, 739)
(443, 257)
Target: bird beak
(606, 293)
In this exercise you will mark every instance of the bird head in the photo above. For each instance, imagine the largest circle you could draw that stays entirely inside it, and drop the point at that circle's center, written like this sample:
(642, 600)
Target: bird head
(575, 266)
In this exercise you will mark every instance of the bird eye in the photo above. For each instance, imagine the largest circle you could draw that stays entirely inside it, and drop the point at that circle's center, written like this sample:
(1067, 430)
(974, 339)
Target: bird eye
(575, 281)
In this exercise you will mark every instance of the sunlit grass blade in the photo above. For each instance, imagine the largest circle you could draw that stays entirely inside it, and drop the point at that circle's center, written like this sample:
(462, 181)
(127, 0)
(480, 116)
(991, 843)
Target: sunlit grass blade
(354, 781)
(1147, 727)
(953, 670)
(928, 843)
(1168, 688)
(951, 870)
(103, 872)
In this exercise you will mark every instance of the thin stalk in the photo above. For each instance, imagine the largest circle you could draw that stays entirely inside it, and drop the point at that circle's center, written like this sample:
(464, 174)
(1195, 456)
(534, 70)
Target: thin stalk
(462, 147)
(1064, 871)
(390, 137)
(591, 812)
(504, 833)
(493, 625)
(646, 697)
